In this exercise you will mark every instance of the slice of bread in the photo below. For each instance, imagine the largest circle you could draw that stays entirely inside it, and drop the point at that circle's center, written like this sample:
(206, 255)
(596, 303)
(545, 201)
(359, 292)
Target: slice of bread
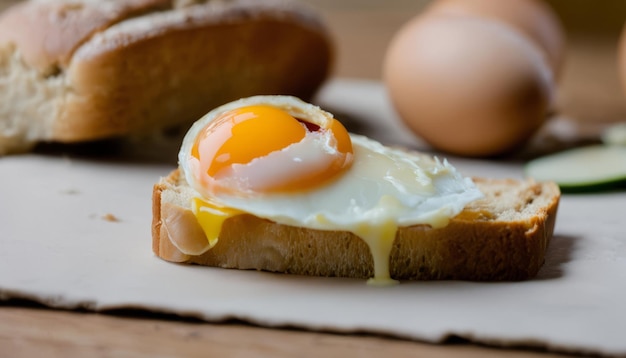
(501, 237)
(78, 70)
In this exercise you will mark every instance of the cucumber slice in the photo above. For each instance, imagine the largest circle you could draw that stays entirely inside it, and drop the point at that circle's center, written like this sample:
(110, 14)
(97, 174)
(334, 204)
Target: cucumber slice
(591, 168)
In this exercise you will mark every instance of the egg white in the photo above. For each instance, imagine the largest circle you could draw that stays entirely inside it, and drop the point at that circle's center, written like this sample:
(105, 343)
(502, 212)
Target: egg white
(382, 185)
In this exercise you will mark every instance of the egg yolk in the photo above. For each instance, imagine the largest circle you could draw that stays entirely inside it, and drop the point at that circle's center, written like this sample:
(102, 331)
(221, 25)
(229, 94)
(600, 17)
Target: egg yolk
(242, 135)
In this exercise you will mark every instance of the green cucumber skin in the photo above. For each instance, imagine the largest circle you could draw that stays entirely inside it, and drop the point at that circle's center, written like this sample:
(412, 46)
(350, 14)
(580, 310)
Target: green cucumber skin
(614, 181)
(617, 184)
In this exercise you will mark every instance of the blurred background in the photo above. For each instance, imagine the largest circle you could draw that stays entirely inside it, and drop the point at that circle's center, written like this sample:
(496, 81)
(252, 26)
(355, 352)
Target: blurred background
(366, 26)
(589, 90)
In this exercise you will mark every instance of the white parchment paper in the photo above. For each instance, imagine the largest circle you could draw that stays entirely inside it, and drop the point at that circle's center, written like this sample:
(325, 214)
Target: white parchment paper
(75, 232)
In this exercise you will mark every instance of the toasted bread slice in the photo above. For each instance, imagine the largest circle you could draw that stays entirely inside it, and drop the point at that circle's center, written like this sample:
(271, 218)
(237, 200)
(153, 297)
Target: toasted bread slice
(501, 237)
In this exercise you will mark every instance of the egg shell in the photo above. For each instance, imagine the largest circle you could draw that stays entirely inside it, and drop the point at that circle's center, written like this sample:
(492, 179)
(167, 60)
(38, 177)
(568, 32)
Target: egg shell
(468, 86)
(533, 18)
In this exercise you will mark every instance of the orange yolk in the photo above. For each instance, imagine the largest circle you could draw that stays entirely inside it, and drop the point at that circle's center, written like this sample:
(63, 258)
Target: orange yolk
(244, 134)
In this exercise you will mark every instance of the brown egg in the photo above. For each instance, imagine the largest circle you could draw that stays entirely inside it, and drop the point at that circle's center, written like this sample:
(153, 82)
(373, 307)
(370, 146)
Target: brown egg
(466, 85)
(533, 18)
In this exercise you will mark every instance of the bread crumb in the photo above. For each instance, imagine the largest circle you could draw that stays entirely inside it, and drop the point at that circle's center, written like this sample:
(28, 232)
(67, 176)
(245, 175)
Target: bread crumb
(110, 217)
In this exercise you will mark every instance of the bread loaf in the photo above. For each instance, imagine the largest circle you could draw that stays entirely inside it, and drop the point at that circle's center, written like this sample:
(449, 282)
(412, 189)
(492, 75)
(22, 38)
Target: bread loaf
(78, 70)
(503, 236)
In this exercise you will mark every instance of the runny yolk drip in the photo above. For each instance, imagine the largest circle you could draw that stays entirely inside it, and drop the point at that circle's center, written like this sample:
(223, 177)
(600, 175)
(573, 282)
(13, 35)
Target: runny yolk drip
(380, 237)
(211, 218)
(242, 135)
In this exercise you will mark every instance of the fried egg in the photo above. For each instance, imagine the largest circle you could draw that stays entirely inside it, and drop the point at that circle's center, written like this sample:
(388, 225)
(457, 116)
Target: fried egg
(290, 162)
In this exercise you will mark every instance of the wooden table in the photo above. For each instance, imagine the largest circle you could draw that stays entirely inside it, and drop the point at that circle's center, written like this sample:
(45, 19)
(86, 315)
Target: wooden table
(589, 92)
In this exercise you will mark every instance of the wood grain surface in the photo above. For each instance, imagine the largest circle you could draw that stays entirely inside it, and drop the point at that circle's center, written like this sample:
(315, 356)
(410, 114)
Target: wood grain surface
(29, 332)
(589, 92)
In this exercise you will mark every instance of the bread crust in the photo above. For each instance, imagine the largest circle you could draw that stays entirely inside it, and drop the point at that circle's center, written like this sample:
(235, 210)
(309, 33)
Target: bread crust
(184, 85)
(133, 66)
(478, 244)
(48, 33)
